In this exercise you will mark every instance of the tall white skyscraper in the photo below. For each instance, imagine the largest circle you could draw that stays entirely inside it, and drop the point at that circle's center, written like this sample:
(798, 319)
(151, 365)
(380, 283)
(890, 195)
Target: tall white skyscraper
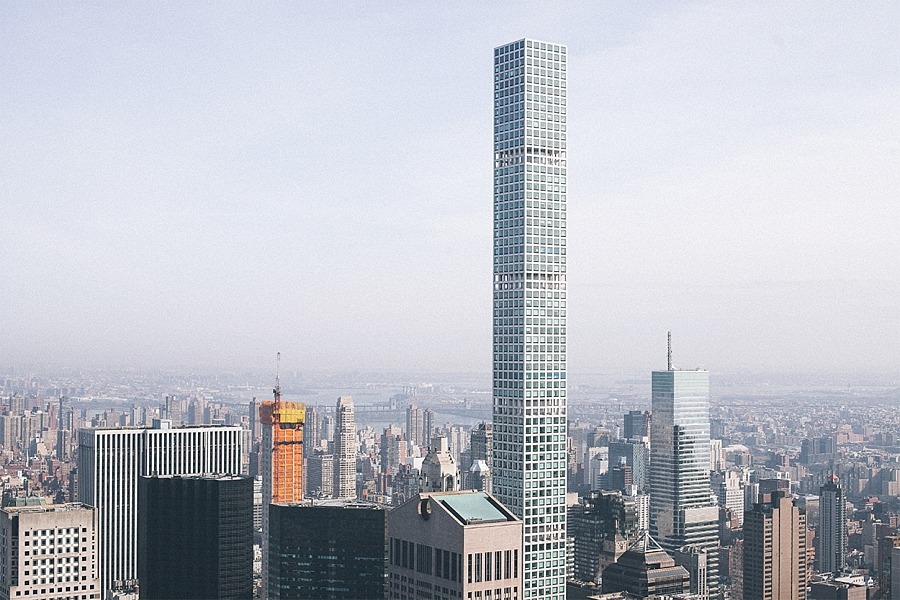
(682, 509)
(529, 299)
(345, 449)
(110, 462)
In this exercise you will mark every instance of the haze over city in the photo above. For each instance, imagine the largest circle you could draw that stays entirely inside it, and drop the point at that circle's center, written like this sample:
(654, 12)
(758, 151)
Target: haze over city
(203, 184)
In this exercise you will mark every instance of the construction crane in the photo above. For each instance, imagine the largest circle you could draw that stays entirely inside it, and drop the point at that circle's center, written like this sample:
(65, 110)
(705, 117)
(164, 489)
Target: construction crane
(277, 390)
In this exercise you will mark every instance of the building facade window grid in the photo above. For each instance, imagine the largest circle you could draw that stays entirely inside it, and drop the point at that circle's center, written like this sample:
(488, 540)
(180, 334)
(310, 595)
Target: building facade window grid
(529, 302)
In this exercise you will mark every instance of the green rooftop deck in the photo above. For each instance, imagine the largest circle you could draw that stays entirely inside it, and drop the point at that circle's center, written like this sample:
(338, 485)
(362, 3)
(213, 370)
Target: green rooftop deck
(472, 508)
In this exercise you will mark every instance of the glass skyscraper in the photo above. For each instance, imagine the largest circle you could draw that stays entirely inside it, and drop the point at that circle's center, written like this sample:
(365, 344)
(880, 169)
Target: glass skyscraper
(529, 300)
(682, 510)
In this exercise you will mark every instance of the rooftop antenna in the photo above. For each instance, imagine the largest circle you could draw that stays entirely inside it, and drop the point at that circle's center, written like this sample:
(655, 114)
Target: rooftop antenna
(670, 351)
(277, 389)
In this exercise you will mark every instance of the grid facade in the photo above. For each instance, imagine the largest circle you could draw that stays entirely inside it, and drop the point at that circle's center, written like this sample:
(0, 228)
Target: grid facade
(454, 546)
(196, 537)
(322, 552)
(110, 461)
(47, 552)
(529, 304)
(775, 551)
(682, 510)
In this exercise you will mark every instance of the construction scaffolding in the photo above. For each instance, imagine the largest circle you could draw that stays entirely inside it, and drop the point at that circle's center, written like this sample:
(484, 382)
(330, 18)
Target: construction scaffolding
(283, 440)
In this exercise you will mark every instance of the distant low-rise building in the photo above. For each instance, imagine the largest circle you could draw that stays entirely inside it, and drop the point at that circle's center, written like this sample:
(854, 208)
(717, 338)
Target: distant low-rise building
(837, 590)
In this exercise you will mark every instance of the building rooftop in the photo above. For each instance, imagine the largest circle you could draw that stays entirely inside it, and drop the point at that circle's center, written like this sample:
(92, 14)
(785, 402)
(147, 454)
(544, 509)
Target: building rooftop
(333, 503)
(209, 476)
(45, 508)
(474, 507)
(15, 501)
(157, 426)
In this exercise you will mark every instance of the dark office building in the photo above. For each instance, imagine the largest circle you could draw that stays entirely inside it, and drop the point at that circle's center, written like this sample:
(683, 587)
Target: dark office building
(332, 550)
(817, 450)
(636, 425)
(195, 537)
(596, 525)
(620, 477)
(768, 487)
(636, 455)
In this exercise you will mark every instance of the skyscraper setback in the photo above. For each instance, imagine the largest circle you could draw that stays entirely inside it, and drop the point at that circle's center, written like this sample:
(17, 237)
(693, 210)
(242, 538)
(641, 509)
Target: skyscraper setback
(529, 303)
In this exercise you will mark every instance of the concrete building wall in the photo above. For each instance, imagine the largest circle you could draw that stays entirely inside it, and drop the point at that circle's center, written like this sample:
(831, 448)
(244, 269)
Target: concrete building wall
(48, 551)
(775, 551)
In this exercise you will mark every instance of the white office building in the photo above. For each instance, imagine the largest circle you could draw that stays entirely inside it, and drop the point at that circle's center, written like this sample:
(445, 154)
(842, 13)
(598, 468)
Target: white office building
(110, 462)
(728, 486)
(529, 304)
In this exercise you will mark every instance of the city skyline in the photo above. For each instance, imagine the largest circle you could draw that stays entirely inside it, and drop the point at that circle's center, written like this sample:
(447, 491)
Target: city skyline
(166, 170)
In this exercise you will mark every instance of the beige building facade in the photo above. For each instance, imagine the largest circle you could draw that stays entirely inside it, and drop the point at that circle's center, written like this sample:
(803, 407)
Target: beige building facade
(48, 552)
(774, 550)
(454, 545)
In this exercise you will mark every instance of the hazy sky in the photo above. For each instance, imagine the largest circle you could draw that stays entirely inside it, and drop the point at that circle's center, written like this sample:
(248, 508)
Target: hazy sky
(208, 183)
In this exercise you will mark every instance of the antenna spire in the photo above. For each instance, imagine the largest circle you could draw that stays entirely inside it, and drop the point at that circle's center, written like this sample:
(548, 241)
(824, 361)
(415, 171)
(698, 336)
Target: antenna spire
(670, 351)
(277, 390)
